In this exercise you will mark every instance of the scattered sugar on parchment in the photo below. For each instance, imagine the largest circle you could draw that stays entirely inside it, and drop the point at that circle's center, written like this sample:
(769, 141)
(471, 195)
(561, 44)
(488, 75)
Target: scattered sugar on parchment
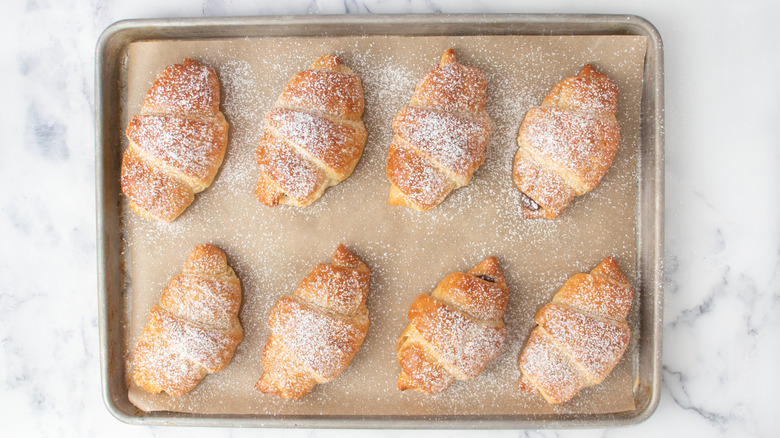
(408, 252)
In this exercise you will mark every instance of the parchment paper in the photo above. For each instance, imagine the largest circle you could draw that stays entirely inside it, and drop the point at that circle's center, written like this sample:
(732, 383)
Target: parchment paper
(408, 252)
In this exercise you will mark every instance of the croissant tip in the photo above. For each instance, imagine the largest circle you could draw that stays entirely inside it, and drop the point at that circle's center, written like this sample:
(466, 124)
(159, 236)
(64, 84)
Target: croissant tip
(207, 247)
(449, 57)
(609, 260)
(404, 383)
(608, 263)
(327, 62)
(609, 268)
(526, 385)
(344, 257)
(206, 258)
(491, 260)
(341, 248)
(397, 198)
(266, 191)
(489, 266)
(590, 70)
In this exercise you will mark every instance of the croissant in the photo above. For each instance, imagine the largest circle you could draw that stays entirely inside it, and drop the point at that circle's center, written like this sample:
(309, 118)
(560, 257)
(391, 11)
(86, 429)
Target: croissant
(317, 331)
(454, 332)
(177, 142)
(194, 330)
(314, 135)
(581, 335)
(440, 138)
(568, 144)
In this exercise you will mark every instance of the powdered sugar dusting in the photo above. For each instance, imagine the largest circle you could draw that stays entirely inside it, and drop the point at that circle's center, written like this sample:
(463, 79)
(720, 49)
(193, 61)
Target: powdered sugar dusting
(195, 329)
(298, 177)
(421, 371)
(325, 130)
(152, 191)
(549, 369)
(571, 347)
(575, 141)
(452, 87)
(242, 102)
(187, 88)
(574, 134)
(446, 123)
(596, 297)
(453, 142)
(339, 289)
(417, 178)
(213, 301)
(320, 337)
(339, 95)
(485, 300)
(162, 368)
(205, 346)
(336, 145)
(456, 340)
(463, 343)
(194, 147)
(596, 344)
(180, 134)
(323, 343)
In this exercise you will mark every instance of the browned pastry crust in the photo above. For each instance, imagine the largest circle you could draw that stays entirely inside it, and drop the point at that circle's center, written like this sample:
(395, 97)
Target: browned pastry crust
(440, 138)
(313, 136)
(454, 332)
(177, 142)
(581, 334)
(317, 330)
(194, 330)
(567, 144)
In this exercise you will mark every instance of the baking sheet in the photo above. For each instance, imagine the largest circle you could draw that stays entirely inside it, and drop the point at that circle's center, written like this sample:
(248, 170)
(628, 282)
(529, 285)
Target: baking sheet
(409, 252)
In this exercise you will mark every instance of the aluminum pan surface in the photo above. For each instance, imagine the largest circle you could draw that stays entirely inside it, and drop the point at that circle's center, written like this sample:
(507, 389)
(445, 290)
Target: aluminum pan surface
(650, 230)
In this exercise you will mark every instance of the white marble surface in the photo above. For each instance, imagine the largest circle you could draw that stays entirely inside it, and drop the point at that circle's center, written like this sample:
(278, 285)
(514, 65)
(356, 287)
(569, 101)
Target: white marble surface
(722, 302)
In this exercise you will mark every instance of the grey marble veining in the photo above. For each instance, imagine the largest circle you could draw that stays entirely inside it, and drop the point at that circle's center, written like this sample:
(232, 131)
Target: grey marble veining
(722, 288)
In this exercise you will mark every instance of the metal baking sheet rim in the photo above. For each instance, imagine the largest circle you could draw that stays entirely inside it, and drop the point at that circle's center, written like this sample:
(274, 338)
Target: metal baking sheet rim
(110, 65)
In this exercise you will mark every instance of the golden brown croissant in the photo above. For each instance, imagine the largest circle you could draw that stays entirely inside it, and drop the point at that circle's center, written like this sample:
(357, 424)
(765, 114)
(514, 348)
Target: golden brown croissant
(567, 144)
(440, 138)
(194, 330)
(581, 335)
(454, 332)
(314, 135)
(177, 142)
(316, 332)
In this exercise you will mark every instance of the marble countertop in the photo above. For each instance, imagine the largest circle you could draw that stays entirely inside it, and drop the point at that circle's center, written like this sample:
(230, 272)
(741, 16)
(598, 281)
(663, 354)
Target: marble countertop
(722, 284)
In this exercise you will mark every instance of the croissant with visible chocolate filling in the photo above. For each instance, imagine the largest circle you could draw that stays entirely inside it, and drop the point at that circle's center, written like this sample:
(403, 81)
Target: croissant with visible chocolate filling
(567, 144)
(454, 332)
